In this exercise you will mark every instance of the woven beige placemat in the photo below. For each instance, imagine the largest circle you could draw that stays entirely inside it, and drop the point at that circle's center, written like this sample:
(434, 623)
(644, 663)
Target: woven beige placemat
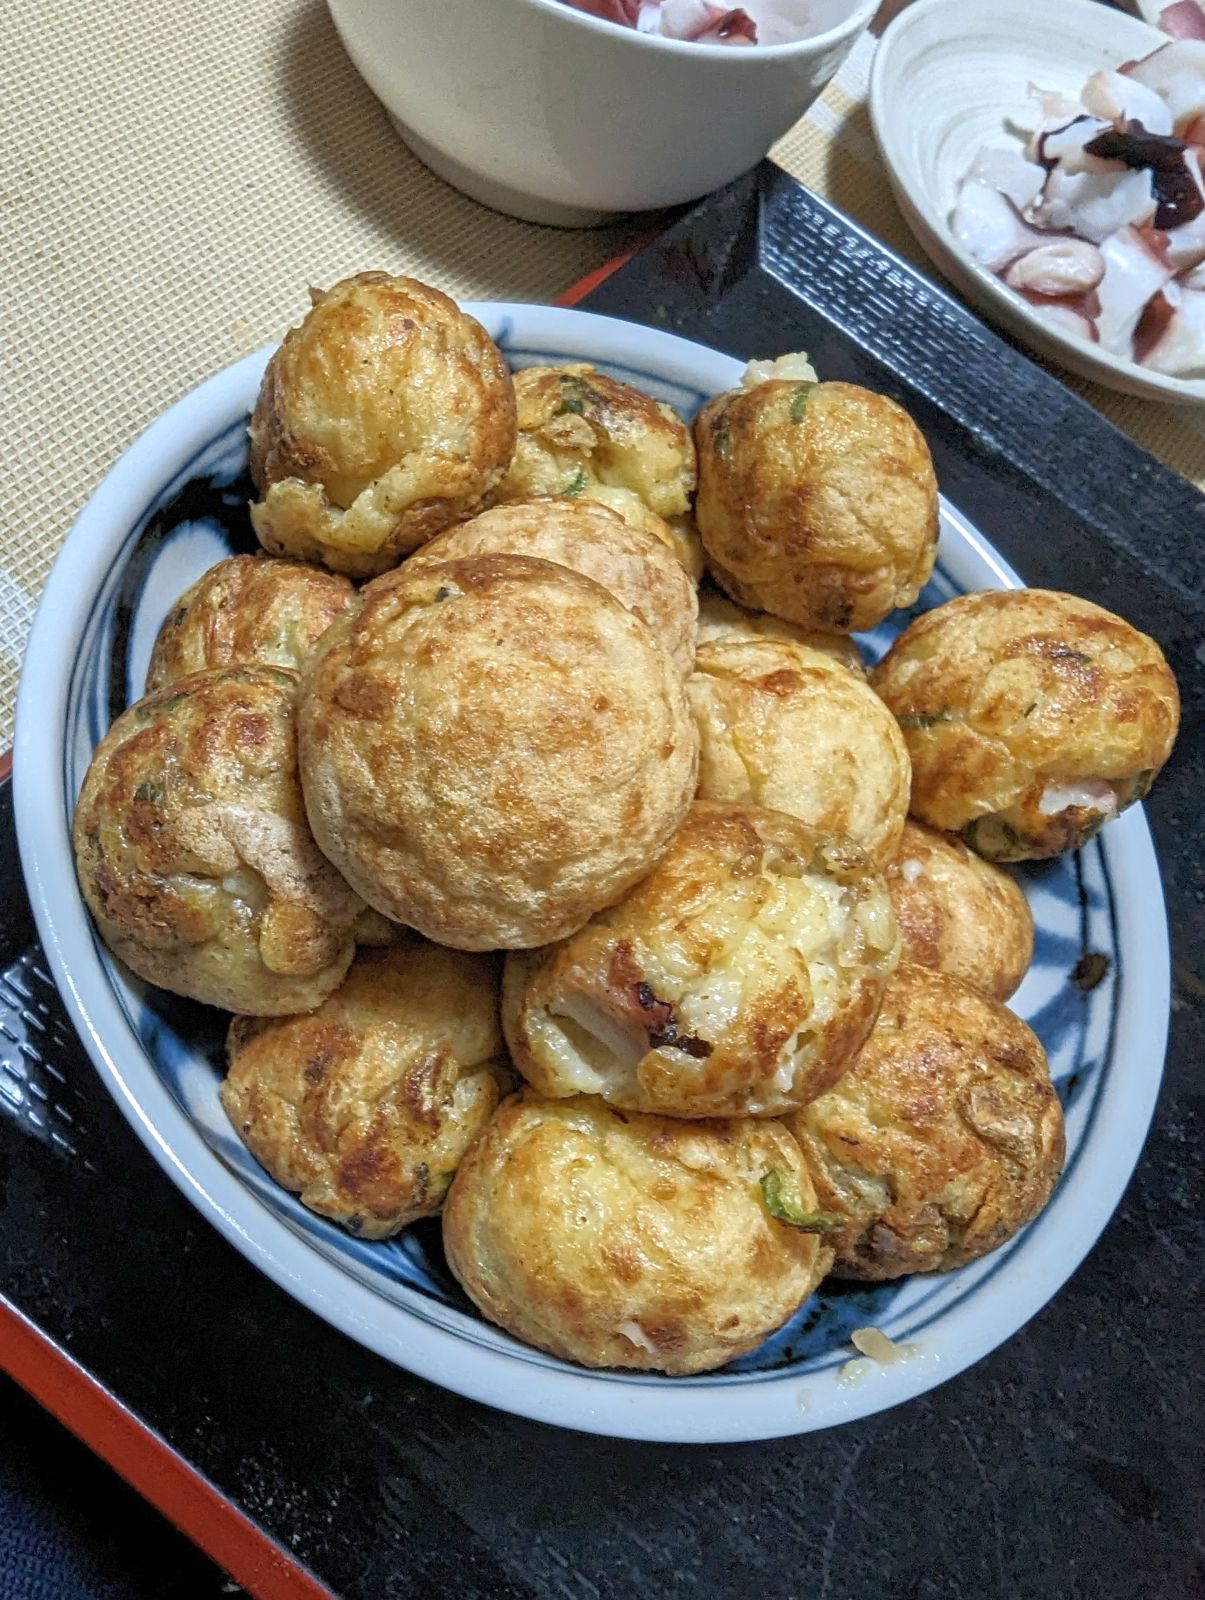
(173, 176)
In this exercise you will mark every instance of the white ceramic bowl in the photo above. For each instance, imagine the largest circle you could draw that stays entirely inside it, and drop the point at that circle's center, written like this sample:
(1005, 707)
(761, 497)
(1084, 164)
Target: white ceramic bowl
(174, 504)
(543, 112)
(949, 76)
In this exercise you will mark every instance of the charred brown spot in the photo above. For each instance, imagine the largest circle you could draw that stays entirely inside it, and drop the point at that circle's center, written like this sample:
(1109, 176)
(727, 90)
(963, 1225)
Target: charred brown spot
(781, 683)
(422, 1088)
(666, 1335)
(662, 1025)
(318, 1065)
(623, 1263)
(140, 905)
(327, 1043)
(1013, 1058)
(367, 696)
(633, 808)
(252, 730)
(763, 1261)
(366, 1169)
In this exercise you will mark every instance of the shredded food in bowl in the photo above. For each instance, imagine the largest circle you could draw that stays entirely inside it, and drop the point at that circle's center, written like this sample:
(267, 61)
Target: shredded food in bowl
(703, 22)
(1099, 224)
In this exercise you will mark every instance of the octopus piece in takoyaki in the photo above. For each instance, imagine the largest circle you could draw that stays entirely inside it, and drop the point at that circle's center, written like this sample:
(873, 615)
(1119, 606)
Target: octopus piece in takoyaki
(738, 979)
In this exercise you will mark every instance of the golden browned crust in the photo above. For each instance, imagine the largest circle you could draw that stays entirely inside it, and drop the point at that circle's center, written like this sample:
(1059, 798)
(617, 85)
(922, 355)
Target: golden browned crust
(365, 1106)
(638, 569)
(618, 1240)
(493, 749)
(386, 416)
(194, 853)
(574, 419)
(943, 1138)
(1032, 717)
(817, 502)
(959, 913)
(738, 979)
(588, 436)
(679, 533)
(722, 621)
(248, 611)
(784, 726)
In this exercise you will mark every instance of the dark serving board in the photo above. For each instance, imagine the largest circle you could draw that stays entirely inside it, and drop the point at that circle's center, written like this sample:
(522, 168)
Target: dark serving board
(1067, 1463)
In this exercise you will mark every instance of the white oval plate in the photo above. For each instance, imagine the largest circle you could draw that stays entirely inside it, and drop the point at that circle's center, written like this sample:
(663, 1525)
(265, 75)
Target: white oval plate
(949, 77)
(171, 507)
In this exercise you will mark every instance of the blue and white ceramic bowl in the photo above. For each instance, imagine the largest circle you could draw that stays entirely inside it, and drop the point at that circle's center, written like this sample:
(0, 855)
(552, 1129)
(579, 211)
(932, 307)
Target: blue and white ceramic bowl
(173, 505)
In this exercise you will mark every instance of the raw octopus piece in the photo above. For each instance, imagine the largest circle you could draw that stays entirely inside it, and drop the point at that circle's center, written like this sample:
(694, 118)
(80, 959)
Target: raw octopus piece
(1134, 271)
(703, 23)
(992, 228)
(1008, 171)
(1116, 97)
(1171, 335)
(696, 21)
(1176, 72)
(1058, 269)
(1183, 20)
(1093, 204)
(626, 12)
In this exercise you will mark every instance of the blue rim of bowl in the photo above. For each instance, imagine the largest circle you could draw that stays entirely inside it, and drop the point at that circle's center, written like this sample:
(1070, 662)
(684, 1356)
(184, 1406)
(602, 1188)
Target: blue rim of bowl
(569, 1396)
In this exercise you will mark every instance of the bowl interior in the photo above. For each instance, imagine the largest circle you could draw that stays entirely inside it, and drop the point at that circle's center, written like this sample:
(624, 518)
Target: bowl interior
(950, 78)
(827, 21)
(175, 505)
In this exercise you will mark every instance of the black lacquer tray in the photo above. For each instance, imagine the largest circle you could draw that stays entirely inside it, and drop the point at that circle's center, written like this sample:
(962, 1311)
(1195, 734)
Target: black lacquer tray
(1066, 1463)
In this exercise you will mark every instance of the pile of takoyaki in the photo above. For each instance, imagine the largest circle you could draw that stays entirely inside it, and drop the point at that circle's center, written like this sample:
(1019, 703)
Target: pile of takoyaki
(648, 935)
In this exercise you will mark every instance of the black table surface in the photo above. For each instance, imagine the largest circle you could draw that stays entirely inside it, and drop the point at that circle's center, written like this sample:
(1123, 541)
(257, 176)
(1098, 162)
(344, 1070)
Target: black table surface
(1068, 1463)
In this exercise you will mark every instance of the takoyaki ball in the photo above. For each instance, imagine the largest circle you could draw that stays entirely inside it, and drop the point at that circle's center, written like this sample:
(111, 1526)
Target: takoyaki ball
(364, 1106)
(738, 979)
(1032, 718)
(959, 913)
(493, 749)
(943, 1138)
(817, 502)
(246, 612)
(722, 621)
(639, 570)
(631, 1241)
(580, 430)
(781, 725)
(194, 854)
(386, 416)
